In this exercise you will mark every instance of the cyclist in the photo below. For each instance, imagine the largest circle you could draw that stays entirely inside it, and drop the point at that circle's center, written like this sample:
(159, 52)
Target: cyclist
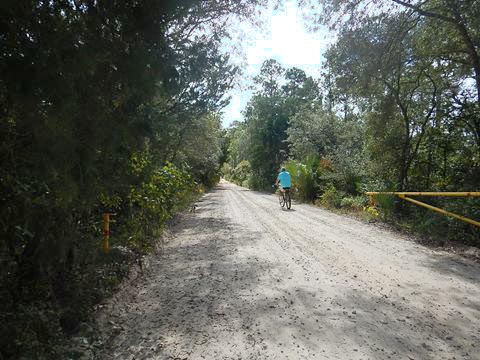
(284, 179)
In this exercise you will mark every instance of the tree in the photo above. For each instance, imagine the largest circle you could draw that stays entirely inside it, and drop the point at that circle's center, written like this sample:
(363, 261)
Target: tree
(97, 99)
(268, 114)
(395, 74)
(458, 16)
(313, 133)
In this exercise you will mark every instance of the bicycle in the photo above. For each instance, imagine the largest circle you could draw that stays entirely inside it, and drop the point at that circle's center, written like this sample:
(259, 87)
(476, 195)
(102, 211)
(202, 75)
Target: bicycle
(284, 198)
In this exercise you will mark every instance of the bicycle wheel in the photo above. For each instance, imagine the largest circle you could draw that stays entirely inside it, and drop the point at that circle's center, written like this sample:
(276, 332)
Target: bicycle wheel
(288, 200)
(281, 199)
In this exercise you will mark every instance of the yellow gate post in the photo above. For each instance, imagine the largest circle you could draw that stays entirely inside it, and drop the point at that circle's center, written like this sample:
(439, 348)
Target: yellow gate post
(106, 231)
(407, 197)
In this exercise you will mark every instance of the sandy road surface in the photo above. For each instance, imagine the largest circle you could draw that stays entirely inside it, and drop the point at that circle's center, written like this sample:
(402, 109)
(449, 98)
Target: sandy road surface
(242, 279)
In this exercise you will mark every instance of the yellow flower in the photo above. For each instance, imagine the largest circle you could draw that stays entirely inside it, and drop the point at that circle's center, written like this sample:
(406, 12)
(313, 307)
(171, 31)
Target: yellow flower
(371, 210)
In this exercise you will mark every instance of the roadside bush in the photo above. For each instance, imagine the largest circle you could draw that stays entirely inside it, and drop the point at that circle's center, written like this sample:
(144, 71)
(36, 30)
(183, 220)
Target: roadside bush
(226, 171)
(151, 204)
(332, 197)
(248, 183)
(386, 205)
(44, 301)
(261, 183)
(292, 166)
(431, 224)
(304, 178)
(354, 202)
(241, 173)
(371, 211)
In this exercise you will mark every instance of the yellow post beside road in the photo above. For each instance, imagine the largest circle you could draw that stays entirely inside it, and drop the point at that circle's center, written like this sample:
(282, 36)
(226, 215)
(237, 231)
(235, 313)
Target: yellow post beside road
(106, 231)
(407, 197)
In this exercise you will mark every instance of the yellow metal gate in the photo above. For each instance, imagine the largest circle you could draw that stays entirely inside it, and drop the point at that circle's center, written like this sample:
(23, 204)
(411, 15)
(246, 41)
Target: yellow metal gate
(407, 196)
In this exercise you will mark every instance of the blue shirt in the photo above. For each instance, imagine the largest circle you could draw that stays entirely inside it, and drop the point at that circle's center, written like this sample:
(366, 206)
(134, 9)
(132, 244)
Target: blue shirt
(285, 179)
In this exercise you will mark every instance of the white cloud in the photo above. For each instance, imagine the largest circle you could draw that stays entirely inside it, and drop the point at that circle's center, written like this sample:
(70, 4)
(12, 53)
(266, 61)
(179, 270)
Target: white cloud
(287, 40)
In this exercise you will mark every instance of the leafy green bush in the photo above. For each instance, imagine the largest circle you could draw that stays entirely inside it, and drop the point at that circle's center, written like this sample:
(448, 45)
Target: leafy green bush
(259, 183)
(43, 305)
(354, 202)
(332, 197)
(305, 177)
(226, 171)
(432, 224)
(248, 183)
(242, 173)
(386, 205)
(152, 203)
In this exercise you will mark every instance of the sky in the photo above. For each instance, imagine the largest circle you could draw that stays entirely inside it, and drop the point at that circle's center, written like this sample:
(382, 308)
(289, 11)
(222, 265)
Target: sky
(283, 37)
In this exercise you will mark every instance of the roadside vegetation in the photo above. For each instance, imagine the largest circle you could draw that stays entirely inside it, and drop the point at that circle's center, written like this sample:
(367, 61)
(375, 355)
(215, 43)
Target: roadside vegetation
(110, 106)
(105, 107)
(397, 108)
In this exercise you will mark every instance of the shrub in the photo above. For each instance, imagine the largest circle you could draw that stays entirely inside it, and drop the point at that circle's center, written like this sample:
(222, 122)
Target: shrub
(371, 211)
(242, 172)
(431, 224)
(153, 202)
(386, 205)
(332, 197)
(304, 178)
(354, 202)
(226, 170)
(257, 182)
(248, 183)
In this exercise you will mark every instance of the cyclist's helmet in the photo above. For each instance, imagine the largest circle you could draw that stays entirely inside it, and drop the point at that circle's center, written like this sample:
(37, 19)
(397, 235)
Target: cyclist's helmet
(283, 169)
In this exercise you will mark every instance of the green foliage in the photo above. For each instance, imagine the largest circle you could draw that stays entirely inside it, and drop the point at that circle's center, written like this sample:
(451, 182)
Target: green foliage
(305, 178)
(154, 202)
(242, 172)
(226, 170)
(386, 205)
(240, 175)
(262, 138)
(313, 132)
(106, 106)
(399, 110)
(433, 225)
(318, 133)
(356, 203)
(332, 197)
(401, 74)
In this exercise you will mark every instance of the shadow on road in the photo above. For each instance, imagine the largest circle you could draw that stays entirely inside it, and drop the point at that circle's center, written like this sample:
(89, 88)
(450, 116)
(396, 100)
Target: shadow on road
(454, 266)
(210, 289)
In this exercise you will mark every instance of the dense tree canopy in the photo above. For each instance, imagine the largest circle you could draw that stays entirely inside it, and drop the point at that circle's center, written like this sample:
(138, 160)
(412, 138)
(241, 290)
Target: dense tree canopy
(104, 106)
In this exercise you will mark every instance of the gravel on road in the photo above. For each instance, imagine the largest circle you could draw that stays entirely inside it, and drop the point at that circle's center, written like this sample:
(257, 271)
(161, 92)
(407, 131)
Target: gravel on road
(243, 279)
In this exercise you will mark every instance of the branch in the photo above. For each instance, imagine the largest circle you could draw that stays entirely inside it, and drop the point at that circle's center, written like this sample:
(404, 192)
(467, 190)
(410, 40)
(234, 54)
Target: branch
(425, 12)
(427, 119)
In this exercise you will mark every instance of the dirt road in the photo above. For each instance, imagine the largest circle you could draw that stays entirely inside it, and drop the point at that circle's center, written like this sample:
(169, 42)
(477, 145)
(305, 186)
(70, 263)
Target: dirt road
(242, 279)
